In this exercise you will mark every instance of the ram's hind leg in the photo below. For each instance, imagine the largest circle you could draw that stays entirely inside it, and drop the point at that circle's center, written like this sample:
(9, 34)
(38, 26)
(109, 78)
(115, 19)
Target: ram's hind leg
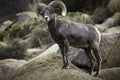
(91, 58)
(95, 48)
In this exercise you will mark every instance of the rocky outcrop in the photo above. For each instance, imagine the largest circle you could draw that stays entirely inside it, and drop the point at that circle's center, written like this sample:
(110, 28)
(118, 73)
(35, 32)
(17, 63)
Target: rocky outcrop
(110, 22)
(5, 25)
(79, 58)
(8, 66)
(53, 49)
(107, 42)
(110, 74)
(113, 30)
(114, 54)
(49, 68)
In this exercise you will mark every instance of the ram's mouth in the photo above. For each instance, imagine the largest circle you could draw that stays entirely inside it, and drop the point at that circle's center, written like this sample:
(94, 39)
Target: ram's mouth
(47, 19)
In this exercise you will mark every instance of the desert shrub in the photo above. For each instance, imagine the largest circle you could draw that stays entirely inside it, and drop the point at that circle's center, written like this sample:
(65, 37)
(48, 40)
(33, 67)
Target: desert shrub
(2, 35)
(19, 30)
(40, 35)
(12, 49)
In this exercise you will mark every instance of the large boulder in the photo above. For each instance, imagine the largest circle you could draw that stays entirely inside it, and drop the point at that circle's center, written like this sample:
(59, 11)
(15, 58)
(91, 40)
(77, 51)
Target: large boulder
(49, 68)
(113, 30)
(79, 58)
(5, 25)
(114, 54)
(107, 42)
(8, 66)
(110, 22)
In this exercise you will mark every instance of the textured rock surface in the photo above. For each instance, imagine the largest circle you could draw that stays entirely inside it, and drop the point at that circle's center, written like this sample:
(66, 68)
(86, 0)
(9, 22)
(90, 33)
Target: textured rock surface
(107, 42)
(5, 25)
(110, 74)
(113, 30)
(79, 58)
(114, 54)
(49, 68)
(8, 66)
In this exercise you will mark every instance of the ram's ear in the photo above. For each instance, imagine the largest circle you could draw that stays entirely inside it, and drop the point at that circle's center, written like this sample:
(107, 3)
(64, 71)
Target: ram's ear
(59, 7)
(40, 7)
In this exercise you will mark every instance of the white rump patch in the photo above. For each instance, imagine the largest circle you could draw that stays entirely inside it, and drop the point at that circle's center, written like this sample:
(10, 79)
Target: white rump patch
(98, 34)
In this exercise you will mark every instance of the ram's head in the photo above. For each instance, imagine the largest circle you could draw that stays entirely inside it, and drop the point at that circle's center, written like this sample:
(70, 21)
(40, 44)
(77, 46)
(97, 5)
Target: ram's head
(47, 11)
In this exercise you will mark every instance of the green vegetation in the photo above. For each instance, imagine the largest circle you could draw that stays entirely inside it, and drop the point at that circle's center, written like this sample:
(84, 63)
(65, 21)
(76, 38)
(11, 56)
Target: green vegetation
(40, 35)
(3, 34)
(19, 30)
(12, 50)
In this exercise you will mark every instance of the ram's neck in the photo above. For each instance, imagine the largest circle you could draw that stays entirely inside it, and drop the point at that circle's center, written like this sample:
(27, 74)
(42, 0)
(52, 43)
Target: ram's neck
(52, 25)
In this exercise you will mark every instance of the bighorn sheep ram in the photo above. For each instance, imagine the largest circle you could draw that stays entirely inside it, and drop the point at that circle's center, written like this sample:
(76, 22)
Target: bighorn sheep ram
(66, 33)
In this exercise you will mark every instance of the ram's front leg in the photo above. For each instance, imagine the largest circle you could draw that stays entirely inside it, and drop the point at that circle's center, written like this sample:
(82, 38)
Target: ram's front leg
(64, 51)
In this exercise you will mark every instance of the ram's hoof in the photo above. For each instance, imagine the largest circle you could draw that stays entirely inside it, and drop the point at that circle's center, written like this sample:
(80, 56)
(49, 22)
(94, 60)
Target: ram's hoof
(65, 67)
(96, 75)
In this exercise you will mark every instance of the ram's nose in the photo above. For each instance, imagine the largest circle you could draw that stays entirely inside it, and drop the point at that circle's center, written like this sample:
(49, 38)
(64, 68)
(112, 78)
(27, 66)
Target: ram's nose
(47, 18)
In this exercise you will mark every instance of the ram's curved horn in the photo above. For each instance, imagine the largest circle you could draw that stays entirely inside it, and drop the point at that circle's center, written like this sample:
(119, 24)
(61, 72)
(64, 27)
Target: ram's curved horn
(40, 7)
(58, 6)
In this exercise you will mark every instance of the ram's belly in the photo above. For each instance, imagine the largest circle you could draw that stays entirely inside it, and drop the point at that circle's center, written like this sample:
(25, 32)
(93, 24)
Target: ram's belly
(79, 43)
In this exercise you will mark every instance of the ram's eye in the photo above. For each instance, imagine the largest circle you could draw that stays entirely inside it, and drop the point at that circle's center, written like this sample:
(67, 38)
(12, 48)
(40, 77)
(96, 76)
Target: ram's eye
(41, 13)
